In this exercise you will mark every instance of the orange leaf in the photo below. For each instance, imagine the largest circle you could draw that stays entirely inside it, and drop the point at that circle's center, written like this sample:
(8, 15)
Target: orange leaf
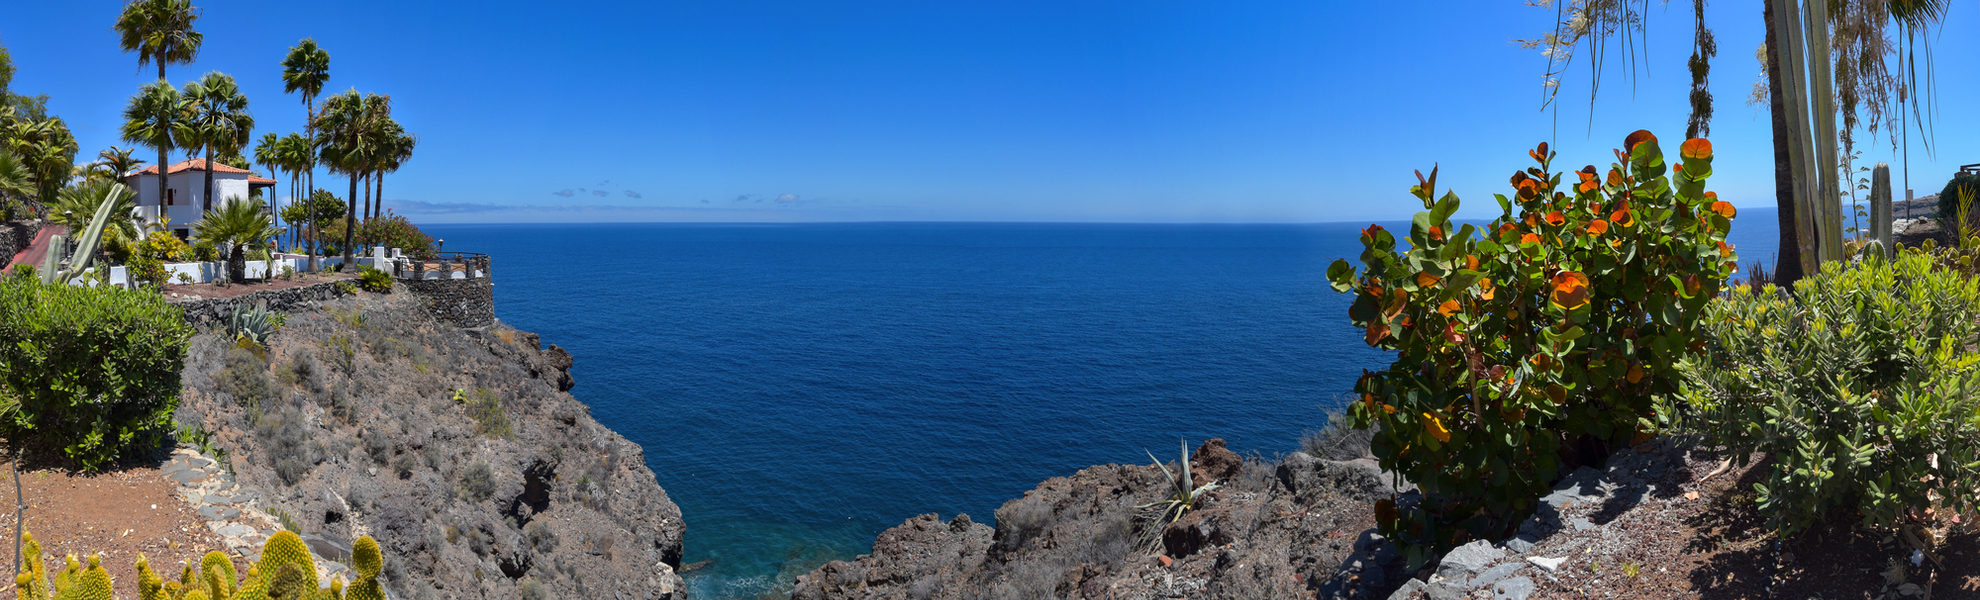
(1570, 290)
(1531, 237)
(1436, 233)
(1376, 332)
(1696, 148)
(1637, 137)
(1725, 209)
(1556, 218)
(1726, 250)
(1635, 373)
(1385, 511)
(1436, 428)
(1486, 285)
(1425, 279)
(1598, 227)
(1471, 262)
(1622, 218)
(1448, 308)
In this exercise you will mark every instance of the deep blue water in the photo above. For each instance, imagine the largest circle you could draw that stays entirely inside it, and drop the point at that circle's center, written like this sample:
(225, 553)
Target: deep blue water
(800, 388)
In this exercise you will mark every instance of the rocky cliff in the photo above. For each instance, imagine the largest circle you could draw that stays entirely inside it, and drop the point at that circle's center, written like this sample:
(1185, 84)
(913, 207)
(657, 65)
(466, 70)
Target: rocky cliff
(1300, 528)
(460, 450)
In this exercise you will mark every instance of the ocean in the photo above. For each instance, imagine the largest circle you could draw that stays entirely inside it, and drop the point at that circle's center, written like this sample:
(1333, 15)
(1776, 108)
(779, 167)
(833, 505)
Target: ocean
(800, 388)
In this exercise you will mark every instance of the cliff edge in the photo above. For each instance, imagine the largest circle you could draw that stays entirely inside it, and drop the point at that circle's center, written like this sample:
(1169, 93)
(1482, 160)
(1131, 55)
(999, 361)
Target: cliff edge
(460, 450)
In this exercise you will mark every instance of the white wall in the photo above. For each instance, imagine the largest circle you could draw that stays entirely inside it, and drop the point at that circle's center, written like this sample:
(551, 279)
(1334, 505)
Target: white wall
(191, 186)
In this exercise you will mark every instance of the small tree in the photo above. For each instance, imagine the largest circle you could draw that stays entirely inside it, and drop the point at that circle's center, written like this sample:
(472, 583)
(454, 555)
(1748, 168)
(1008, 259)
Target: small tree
(236, 225)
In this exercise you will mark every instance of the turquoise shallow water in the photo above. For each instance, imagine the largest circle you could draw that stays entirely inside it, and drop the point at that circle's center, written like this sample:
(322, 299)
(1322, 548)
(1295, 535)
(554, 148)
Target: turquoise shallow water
(800, 388)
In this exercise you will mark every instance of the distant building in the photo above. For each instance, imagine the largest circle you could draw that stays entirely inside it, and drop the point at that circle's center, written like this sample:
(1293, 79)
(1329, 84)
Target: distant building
(185, 201)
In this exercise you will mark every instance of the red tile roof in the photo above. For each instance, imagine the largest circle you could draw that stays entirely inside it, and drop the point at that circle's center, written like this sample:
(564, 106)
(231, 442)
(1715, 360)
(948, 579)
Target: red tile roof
(199, 164)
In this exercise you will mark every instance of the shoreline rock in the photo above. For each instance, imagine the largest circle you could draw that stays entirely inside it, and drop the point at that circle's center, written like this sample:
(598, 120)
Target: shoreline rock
(1298, 528)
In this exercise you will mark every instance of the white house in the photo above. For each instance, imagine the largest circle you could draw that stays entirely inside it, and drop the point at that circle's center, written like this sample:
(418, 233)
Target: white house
(185, 191)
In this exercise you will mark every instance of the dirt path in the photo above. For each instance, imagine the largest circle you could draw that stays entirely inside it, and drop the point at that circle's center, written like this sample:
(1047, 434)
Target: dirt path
(119, 513)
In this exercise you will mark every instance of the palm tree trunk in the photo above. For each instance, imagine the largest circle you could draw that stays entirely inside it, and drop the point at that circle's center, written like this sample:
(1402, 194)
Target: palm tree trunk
(237, 264)
(381, 193)
(162, 179)
(367, 196)
(1787, 265)
(350, 226)
(207, 199)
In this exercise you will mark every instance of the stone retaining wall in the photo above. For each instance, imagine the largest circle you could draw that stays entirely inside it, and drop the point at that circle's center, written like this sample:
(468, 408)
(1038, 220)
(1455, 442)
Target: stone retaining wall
(212, 312)
(15, 236)
(462, 302)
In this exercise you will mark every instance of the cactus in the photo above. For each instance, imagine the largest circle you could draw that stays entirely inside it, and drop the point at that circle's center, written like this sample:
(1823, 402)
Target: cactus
(86, 244)
(286, 571)
(150, 585)
(366, 559)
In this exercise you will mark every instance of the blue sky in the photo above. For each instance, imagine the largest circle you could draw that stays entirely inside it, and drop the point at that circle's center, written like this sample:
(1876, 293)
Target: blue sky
(1271, 111)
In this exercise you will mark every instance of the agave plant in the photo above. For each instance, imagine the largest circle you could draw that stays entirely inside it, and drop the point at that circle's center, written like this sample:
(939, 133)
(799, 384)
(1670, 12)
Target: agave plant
(1185, 491)
(253, 325)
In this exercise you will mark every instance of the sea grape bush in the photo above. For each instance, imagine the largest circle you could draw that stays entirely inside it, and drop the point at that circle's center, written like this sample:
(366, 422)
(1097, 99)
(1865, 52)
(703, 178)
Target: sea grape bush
(1861, 386)
(91, 370)
(1551, 328)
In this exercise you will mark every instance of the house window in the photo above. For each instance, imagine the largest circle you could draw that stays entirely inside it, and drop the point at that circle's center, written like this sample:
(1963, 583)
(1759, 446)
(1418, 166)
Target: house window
(183, 233)
(172, 198)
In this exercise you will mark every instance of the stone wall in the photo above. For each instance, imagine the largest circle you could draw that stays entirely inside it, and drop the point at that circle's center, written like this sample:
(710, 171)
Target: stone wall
(462, 302)
(208, 313)
(15, 236)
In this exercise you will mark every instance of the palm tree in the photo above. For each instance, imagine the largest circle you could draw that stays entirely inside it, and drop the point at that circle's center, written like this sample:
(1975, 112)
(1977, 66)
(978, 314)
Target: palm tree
(349, 122)
(217, 122)
(293, 154)
(120, 160)
(14, 179)
(151, 119)
(159, 31)
(305, 70)
(266, 153)
(76, 205)
(398, 148)
(237, 224)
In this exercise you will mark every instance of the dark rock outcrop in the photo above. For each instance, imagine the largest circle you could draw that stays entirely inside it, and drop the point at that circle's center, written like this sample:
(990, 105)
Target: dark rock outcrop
(458, 450)
(1299, 529)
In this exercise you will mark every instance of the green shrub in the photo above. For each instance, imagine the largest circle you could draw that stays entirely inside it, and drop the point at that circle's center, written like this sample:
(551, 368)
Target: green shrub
(490, 419)
(478, 482)
(1551, 331)
(1861, 385)
(95, 371)
(205, 251)
(374, 280)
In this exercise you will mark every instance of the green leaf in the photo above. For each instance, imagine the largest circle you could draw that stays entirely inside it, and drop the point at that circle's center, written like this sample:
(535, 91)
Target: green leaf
(1341, 275)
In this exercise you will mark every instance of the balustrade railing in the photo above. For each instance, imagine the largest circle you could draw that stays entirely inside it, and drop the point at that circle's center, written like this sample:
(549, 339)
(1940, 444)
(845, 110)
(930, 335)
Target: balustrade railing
(444, 265)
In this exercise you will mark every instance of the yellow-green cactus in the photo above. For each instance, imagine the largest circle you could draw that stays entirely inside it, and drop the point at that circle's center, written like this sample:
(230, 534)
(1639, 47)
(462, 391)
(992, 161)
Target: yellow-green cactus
(286, 571)
(221, 585)
(287, 548)
(86, 584)
(367, 561)
(150, 585)
(67, 577)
